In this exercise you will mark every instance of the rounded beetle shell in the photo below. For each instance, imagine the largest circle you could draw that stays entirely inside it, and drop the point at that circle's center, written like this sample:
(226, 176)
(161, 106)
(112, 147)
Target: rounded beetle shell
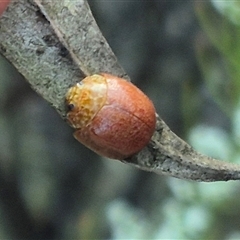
(111, 115)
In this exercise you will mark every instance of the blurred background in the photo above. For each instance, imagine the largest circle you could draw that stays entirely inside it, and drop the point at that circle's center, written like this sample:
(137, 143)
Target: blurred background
(185, 56)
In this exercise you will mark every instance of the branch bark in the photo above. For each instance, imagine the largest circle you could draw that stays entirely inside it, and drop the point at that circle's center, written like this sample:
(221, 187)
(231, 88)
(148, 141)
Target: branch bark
(55, 44)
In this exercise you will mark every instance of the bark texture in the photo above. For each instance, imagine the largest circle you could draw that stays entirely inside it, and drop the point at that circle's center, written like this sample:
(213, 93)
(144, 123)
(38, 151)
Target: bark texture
(54, 45)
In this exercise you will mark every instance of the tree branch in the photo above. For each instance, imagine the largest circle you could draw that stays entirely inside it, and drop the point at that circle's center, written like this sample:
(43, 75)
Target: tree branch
(55, 44)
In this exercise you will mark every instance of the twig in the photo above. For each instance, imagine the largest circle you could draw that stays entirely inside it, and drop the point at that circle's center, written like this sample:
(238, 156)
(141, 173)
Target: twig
(55, 45)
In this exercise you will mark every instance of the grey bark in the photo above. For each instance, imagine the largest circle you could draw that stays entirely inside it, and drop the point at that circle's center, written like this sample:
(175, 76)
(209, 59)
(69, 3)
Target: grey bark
(55, 44)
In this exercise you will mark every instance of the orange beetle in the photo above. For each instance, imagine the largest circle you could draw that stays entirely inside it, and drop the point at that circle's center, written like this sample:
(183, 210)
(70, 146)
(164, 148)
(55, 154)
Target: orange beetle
(111, 115)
